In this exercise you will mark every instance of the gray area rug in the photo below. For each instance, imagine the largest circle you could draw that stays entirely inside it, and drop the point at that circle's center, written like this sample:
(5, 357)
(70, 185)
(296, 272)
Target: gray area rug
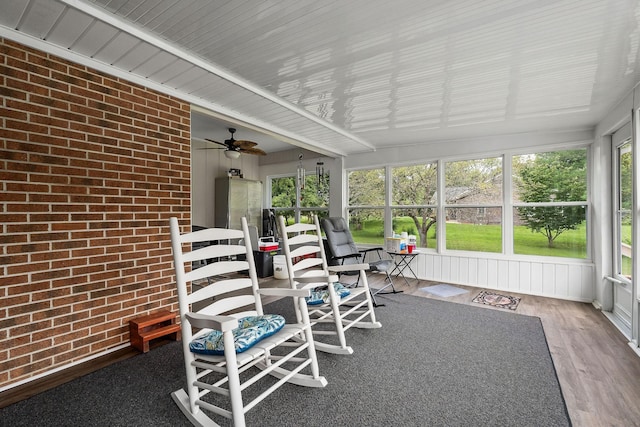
(433, 363)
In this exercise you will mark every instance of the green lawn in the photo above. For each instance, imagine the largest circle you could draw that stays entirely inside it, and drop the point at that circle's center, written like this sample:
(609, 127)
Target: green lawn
(372, 232)
(484, 238)
(470, 237)
(570, 244)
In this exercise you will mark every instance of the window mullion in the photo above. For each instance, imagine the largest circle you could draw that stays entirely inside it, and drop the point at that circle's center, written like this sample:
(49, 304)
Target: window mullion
(388, 218)
(507, 203)
(442, 219)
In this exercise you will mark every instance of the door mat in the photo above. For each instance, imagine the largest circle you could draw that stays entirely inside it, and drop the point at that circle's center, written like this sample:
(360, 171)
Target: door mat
(497, 300)
(443, 290)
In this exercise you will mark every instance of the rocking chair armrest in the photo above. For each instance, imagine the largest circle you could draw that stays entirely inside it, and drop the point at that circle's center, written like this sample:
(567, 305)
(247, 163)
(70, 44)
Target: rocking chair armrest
(325, 278)
(282, 292)
(219, 323)
(348, 267)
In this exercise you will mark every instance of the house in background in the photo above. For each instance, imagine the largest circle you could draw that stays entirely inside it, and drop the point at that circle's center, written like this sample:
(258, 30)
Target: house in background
(106, 107)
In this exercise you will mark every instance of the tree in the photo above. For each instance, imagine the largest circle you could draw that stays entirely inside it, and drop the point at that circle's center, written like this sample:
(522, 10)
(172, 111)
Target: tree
(417, 185)
(477, 184)
(625, 195)
(626, 176)
(366, 188)
(315, 194)
(466, 178)
(283, 194)
(558, 176)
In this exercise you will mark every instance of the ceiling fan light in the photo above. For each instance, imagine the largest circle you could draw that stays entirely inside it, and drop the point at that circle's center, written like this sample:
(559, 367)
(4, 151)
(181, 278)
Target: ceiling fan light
(231, 154)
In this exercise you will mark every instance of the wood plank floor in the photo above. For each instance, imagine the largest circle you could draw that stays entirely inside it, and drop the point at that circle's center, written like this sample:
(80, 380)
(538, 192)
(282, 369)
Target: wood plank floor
(598, 372)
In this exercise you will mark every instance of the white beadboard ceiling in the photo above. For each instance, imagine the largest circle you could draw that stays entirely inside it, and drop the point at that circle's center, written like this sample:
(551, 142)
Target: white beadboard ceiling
(343, 77)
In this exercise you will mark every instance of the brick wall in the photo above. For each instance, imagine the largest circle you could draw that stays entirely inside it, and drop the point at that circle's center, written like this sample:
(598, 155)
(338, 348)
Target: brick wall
(91, 169)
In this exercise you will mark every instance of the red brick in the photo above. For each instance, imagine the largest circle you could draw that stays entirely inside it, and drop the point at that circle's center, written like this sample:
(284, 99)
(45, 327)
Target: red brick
(15, 300)
(13, 363)
(29, 327)
(93, 168)
(26, 268)
(112, 340)
(52, 256)
(69, 226)
(9, 281)
(51, 294)
(71, 300)
(90, 339)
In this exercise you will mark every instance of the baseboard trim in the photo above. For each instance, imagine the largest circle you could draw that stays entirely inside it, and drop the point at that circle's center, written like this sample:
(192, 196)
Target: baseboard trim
(24, 390)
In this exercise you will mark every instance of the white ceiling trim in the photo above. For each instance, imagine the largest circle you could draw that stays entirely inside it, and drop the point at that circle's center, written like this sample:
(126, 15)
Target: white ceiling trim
(201, 105)
(206, 107)
(209, 67)
(258, 126)
(410, 73)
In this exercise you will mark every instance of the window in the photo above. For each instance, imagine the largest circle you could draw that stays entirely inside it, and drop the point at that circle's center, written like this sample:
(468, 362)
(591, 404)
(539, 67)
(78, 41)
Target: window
(623, 209)
(314, 197)
(299, 204)
(622, 225)
(473, 205)
(414, 210)
(283, 196)
(540, 208)
(550, 203)
(366, 205)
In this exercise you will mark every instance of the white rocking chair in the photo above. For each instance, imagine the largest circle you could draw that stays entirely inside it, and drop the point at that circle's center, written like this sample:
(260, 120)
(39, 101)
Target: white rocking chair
(222, 353)
(330, 302)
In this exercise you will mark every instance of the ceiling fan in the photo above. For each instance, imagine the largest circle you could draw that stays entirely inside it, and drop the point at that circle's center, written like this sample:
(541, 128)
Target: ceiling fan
(233, 148)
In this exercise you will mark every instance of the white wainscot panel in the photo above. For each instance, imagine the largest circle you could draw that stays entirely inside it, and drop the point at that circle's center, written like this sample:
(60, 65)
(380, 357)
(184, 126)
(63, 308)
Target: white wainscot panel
(445, 264)
(482, 274)
(555, 279)
(524, 277)
(437, 266)
(562, 280)
(454, 270)
(502, 271)
(464, 270)
(536, 278)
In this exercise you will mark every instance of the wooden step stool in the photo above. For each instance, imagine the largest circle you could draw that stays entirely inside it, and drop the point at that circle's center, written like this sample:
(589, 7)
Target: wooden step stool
(155, 325)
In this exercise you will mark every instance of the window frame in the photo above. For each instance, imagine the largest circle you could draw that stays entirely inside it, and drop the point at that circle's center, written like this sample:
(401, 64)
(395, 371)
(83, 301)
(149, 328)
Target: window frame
(507, 204)
(433, 206)
(586, 203)
(491, 205)
(298, 210)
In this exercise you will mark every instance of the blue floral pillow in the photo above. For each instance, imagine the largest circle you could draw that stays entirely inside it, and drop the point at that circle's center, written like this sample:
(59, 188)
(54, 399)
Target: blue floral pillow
(250, 330)
(320, 295)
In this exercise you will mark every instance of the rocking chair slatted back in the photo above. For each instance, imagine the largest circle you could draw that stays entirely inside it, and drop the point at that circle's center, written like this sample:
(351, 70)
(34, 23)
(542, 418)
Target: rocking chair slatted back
(218, 285)
(307, 268)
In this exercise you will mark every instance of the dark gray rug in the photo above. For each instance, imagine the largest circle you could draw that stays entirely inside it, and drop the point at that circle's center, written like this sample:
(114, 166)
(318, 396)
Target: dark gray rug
(433, 363)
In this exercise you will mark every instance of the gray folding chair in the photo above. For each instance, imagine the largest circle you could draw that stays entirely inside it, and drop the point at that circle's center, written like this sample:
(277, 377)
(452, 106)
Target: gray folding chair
(342, 250)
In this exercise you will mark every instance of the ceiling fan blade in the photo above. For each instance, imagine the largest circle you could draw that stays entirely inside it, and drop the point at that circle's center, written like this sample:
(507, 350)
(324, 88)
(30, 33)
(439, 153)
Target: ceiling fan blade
(244, 144)
(216, 142)
(252, 150)
(241, 146)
